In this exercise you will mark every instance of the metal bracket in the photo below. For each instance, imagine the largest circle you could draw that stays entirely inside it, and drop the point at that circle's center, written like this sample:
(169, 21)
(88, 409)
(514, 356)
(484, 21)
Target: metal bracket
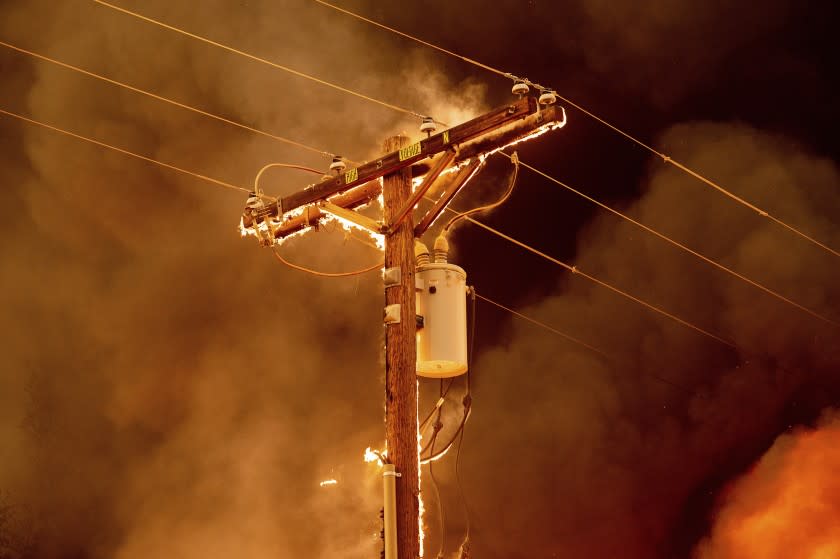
(391, 277)
(392, 314)
(391, 474)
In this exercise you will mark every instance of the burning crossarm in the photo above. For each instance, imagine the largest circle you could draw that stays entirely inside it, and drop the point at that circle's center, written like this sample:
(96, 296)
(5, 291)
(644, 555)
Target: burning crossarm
(464, 145)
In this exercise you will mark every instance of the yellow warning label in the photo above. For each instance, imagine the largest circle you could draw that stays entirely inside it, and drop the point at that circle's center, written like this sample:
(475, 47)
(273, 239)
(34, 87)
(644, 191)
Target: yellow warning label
(410, 151)
(351, 175)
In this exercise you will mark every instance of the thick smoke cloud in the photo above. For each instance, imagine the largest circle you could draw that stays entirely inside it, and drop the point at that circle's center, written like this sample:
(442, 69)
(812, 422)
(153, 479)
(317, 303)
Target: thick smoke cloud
(167, 389)
(601, 455)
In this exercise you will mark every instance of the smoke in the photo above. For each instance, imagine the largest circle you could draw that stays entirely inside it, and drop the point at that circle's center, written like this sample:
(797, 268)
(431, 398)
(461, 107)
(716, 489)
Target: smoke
(167, 387)
(676, 45)
(603, 457)
(787, 506)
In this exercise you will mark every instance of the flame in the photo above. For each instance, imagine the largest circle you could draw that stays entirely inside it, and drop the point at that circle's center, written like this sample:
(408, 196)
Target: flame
(788, 506)
(349, 227)
(421, 507)
(327, 482)
(375, 455)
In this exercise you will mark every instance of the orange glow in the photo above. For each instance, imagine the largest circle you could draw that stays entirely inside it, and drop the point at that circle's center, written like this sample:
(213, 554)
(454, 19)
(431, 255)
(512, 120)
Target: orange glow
(788, 506)
(374, 456)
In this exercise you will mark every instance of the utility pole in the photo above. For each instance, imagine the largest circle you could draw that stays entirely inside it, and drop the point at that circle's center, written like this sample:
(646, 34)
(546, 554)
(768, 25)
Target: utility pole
(465, 146)
(400, 357)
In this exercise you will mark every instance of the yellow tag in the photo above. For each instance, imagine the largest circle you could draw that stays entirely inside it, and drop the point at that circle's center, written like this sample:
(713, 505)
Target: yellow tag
(410, 151)
(446, 136)
(351, 175)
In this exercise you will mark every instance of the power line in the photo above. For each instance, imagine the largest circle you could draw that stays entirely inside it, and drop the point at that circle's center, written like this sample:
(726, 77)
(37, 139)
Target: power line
(379, 265)
(573, 269)
(123, 151)
(576, 270)
(279, 257)
(666, 158)
(683, 247)
(264, 61)
(600, 204)
(165, 99)
(312, 149)
(543, 325)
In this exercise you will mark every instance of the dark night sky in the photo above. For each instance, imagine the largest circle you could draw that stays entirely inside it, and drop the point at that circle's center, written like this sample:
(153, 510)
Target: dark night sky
(167, 389)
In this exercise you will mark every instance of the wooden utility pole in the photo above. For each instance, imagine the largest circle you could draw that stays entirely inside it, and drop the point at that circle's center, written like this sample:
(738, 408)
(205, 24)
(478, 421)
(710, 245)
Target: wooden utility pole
(400, 359)
(338, 195)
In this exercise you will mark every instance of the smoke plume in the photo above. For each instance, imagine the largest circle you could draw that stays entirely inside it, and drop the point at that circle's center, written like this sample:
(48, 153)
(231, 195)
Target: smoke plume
(167, 389)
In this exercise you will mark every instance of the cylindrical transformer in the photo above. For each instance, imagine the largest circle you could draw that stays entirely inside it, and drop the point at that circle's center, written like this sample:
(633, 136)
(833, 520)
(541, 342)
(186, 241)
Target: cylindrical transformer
(442, 335)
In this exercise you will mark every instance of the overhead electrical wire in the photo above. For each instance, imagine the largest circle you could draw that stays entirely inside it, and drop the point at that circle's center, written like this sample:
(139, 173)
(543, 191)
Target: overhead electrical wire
(543, 325)
(318, 273)
(284, 166)
(512, 182)
(278, 256)
(683, 247)
(264, 61)
(604, 206)
(123, 151)
(455, 218)
(166, 100)
(573, 269)
(614, 289)
(666, 158)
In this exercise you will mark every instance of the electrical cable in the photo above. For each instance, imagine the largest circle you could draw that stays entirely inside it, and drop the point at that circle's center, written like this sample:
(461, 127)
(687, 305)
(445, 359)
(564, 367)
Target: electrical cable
(126, 152)
(454, 219)
(666, 158)
(461, 493)
(285, 166)
(515, 160)
(228, 185)
(560, 183)
(325, 274)
(544, 326)
(436, 456)
(265, 61)
(441, 516)
(438, 404)
(685, 248)
(572, 269)
(576, 270)
(165, 99)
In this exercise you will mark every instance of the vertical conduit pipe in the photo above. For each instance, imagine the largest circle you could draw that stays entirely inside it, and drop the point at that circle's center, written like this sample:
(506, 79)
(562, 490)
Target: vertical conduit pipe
(389, 482)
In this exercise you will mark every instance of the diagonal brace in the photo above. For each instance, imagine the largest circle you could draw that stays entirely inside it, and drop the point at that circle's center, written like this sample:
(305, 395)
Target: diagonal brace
(463, 176)
(352, 216)
(442, 164)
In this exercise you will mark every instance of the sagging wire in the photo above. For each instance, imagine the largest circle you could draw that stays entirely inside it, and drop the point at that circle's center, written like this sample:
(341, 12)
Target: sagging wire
(465, 545)
(165, 99)
(547, 90)
(441, 514)
(318, 273)
(514, 158)
(458, 435)
(255, 58)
